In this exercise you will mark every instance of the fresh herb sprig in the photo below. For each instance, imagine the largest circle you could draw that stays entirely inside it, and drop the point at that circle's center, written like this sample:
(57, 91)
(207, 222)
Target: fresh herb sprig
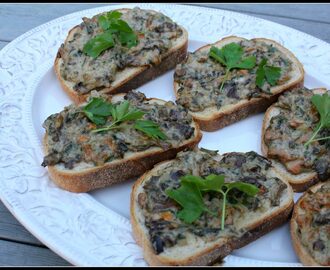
(322, 104)
(98, 111)
(150, 128)
(230, 56)
(265, 73)
(115, 30)
(189, 195)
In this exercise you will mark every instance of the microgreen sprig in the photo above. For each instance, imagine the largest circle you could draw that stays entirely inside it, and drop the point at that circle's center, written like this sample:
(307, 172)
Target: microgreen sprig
(189, 195)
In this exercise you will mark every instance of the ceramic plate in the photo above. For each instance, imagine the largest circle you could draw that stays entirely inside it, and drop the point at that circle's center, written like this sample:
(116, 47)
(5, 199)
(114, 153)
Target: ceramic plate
(93, 228)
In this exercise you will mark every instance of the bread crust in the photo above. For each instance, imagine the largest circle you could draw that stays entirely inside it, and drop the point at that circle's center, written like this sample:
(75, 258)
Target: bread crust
(214, 253)
(303, 255)
(141, 75)
(301, 182)
(118, 170)
(241, 111)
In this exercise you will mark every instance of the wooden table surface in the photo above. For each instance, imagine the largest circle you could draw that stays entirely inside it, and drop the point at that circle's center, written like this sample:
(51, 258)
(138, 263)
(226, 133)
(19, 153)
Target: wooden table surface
(17, 246)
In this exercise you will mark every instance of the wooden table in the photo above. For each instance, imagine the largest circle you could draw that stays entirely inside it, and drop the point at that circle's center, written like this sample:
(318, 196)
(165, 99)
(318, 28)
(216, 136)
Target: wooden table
(17, 246)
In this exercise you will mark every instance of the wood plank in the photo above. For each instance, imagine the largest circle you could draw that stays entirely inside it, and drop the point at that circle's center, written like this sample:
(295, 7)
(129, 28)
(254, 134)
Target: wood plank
(317, 29)
(15, 254)
(11, 229)
(33, 15)
(307, 12)
(19, 18)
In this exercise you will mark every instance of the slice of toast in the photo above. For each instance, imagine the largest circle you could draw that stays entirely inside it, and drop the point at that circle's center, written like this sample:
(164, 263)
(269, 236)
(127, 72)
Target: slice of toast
(127, 78)
(309, 226)
(213, 118)
(86, 176)
(166, 240)
(302, 181)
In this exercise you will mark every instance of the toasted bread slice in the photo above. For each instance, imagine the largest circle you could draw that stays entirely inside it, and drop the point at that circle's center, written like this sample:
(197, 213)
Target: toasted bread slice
(85, 176)
(202, 247)
(299, 182)
(211, 118)
(130, 77)
(312, 251)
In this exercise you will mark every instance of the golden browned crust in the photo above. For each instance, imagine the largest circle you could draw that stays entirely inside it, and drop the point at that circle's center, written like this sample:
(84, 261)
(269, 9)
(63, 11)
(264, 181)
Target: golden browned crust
(209, 255)
(141, 76)
(301, 182)
(301, 187)
(219, 120)
(303, 254)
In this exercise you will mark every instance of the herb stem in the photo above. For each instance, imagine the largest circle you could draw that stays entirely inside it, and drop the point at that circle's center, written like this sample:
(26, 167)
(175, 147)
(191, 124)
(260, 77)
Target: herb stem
(321, 139)
(112, 126)
(314, 135)
(225, 78)
(223, 212)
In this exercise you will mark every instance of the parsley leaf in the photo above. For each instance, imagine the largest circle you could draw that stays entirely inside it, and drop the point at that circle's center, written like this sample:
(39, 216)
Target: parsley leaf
(247, 188)
(230, 56)
(211, 182)
(98, 111)
(113, 15)
(120, 113)
(192, 187)
(128, 39)
(191, 200)
(114, 29)
(322, 104)
(103, 22)
(269, 73)
(98, 44)
(150, 128)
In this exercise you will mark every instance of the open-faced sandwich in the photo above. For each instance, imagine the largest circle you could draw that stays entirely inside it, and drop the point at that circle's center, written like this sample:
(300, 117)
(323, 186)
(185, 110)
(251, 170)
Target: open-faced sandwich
(197, 208)
(296, 137)
(233, 78)
(310, 226)
(105, 141)
(118, 51)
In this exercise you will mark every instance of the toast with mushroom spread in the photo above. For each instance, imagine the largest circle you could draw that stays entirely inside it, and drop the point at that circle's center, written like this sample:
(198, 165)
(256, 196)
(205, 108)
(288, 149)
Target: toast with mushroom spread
(224, 82)
(310, 226)
(111, 140)
(287, 126)
(167, 239)
(145, 44)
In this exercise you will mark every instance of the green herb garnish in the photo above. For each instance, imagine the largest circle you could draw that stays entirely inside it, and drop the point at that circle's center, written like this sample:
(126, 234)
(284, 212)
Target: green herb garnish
(230, 56)
(98, 44)
(98, 111)
(115, 30)
(322, 104)
(150, 128)
(189, 195)
(267, 73)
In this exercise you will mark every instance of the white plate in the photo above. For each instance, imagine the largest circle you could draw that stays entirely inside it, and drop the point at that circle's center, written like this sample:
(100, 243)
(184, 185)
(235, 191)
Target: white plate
(94, 229)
